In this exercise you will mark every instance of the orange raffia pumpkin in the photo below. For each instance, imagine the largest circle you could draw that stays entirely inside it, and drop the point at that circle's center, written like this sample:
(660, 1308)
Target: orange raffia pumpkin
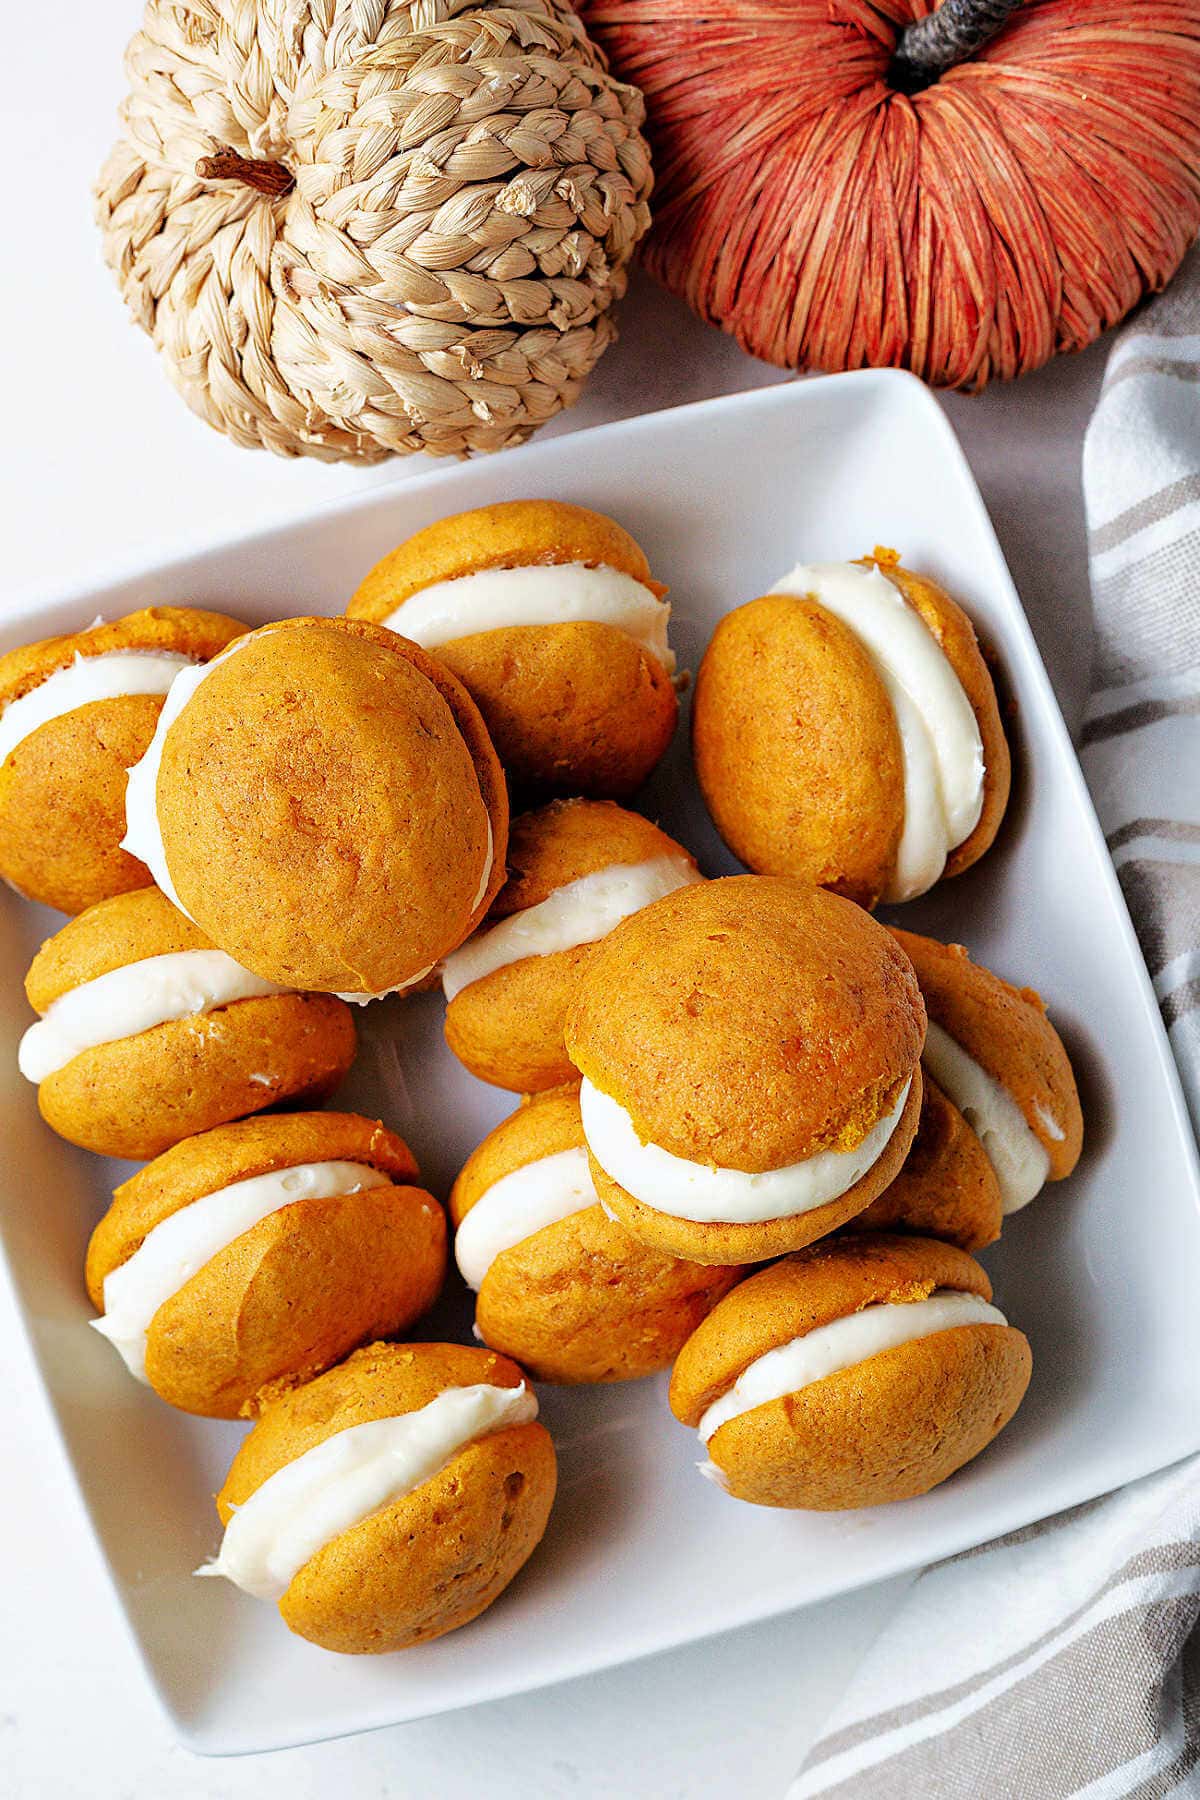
(1016, 207)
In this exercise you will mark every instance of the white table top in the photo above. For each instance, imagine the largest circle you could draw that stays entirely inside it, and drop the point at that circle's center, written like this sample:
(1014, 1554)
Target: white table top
(104, 467)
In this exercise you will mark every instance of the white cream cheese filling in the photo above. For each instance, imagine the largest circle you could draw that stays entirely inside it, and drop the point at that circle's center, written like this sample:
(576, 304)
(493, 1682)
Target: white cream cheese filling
(342, 1481)
(841, 1344)
(523, 1201)
(401, 987)
(939, 733)
(579, 912)
(133, 999)
(709, 1195)
(1020, 1160)
(1049, 1123)
(143, 838)
(535, 594)
(181, 1245)
(113, 675)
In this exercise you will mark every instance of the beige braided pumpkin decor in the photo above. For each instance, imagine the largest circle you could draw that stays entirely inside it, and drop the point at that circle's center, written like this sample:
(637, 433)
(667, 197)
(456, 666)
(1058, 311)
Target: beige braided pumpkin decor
(359, 228)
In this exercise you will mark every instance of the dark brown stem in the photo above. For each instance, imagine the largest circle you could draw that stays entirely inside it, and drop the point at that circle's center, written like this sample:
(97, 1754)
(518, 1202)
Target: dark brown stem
(271, 178)
(930, 46)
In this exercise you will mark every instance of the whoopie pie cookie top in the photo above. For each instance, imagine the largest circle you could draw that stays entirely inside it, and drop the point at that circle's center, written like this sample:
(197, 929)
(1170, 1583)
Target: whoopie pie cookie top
(182, 630)
(379, 1382)
(827, 1281)
(214, 1159)
(330, 807)
(569, 839)
(509, 534)
(845, 728)
(1005, 1030)
(125, 929)
(543, 1125)
(749, 1022)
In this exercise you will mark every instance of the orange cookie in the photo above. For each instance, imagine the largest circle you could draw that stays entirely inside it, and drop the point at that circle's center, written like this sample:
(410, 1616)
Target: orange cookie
(325, 803)
(390, 1500)
(549, 616)
(246, 1260)
(845, 729)
(996, 1054)
(860, 1370)
(947, 1187)
(576, 868)
(75, 713)
(149, 1035)
(750, 1051)
(562, 1287)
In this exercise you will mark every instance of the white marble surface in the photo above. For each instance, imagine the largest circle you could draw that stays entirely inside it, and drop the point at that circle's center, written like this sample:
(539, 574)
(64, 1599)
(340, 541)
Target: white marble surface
(103, 467)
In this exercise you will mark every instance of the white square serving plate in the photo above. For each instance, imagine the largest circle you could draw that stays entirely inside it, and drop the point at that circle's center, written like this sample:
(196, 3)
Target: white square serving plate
(642, 1554)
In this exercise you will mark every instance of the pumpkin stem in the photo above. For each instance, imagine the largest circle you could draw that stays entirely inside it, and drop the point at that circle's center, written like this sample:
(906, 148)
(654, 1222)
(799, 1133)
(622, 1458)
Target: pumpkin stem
(271, 178)
(928, 47)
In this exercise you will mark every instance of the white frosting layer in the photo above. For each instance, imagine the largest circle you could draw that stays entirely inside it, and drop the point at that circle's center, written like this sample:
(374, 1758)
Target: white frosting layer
(1021, 1162)
(112, 675)
(702, 1192)
(143, 837)
(1049, 1123)
(535, 594)
(841, 1344)
(579, 912)
(132, 999)
(355, 1473)
(939, 733)
(520, 1203)
(182, 1244)
(401, 987)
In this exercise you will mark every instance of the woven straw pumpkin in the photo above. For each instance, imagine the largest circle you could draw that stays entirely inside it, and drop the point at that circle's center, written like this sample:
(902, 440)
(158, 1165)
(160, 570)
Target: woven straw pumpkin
(829, 217)
(355, 228)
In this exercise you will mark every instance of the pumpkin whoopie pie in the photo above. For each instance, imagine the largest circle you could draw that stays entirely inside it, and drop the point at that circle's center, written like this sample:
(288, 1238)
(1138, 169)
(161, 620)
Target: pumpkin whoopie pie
(947, 1187)
(845, 728)
(576, 868)
(75, 712)
(860, 1370)
(325, 803)
(550, 617)
(148, 1034)
(750, 1057)
(245, 1261)
(562, 1287)
(992, 1049)
(391, 1499)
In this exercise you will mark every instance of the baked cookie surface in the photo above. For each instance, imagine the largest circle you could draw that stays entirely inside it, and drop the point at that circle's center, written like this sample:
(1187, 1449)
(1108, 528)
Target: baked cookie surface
(754, 1098)
(858, 1371)
(946, 1188)
(149, 1034)
(549, 615)
(845, 729)
(994, 1050)
(75, 713)
(246, 1260)
(462, 1502)
(575, 869)
(349, 831)
(561, 1287)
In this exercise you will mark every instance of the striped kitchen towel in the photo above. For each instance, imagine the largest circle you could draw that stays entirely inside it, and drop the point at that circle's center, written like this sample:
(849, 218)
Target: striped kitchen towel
(1087, 1679)
(1141, 739)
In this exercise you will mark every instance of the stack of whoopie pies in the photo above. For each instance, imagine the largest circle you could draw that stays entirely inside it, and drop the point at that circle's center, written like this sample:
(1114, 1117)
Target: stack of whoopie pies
(760, 1133)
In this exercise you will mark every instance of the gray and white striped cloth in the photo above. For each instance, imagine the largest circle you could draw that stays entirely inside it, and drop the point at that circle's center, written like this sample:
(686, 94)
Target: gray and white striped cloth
(1087, 1681)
